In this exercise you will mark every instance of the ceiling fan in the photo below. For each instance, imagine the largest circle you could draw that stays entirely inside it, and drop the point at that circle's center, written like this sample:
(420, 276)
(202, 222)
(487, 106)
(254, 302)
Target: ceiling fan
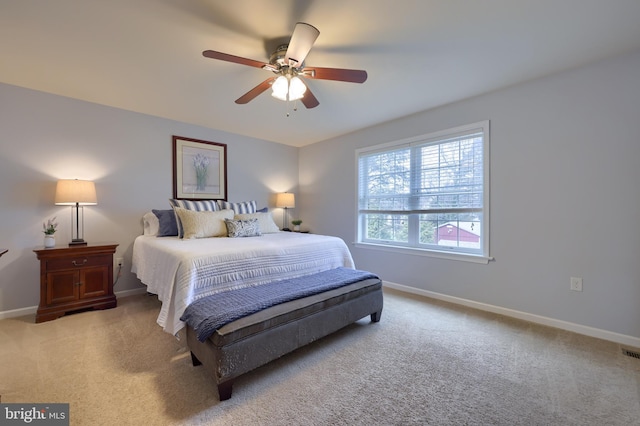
(287, 63)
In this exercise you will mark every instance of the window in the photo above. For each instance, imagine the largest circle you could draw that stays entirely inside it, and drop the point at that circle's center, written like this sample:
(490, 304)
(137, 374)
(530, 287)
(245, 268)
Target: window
(429, 193)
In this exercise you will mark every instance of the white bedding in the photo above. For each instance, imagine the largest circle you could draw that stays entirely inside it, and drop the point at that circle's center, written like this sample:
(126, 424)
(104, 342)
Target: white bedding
(182, 271)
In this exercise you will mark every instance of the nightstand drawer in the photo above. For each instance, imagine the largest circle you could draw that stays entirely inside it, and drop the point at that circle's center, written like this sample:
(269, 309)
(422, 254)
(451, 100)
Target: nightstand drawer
(77, 262)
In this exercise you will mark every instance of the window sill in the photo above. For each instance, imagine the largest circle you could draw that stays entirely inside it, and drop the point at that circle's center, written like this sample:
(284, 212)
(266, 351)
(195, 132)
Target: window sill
(464, 257)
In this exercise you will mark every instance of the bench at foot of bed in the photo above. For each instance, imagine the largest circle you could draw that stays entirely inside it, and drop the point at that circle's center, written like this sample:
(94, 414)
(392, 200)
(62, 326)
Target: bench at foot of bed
(250, 342)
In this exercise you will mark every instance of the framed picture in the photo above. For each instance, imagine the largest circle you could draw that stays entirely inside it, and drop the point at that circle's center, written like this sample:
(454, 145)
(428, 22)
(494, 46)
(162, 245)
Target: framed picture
(199, 169)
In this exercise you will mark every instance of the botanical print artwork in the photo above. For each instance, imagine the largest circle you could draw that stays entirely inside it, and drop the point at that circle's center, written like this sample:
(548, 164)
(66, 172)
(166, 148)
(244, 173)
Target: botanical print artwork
(200, 170)
(201, 164)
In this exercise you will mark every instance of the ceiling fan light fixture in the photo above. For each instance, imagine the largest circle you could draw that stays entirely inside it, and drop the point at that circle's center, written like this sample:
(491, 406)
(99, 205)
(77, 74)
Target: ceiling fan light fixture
(296, 89)
(288, 88)
(280, 88)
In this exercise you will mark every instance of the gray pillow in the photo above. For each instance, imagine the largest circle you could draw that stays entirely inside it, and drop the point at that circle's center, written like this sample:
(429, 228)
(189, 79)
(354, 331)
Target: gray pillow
(168, 226)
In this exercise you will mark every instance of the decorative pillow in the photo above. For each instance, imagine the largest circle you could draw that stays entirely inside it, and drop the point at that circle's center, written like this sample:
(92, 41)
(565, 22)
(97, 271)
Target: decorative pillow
(150, 224)
(263, 210)
(203, 224)
(242, 228)
(195, 205)
(167, 226)
(239, 208)
(265, 220)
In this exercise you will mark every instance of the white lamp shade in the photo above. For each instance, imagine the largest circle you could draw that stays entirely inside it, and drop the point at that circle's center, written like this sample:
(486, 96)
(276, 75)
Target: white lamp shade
(280, 87)
(72, 191)
(286, 200)
(296, 89)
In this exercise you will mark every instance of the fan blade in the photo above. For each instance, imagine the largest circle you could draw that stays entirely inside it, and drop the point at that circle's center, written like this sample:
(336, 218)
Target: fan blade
(309, 100)
(337, 74)
(304, 35)
(231, 58)
(251, 94)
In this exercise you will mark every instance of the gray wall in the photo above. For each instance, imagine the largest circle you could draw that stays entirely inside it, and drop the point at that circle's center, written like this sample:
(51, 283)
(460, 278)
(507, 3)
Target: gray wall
(564, 198)
(45, 137)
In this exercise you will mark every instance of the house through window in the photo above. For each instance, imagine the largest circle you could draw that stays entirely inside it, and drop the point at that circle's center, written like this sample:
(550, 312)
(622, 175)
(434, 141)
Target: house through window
(428, 193)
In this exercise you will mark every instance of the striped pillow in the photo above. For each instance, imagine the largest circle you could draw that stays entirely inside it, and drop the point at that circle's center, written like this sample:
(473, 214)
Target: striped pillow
(196, 205)
(245, 207)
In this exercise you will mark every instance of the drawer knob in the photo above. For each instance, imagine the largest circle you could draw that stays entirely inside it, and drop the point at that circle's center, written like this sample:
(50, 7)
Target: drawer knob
(79, 264)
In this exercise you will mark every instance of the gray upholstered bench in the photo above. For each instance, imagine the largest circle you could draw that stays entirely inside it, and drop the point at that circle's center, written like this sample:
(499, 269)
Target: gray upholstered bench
(250, 342)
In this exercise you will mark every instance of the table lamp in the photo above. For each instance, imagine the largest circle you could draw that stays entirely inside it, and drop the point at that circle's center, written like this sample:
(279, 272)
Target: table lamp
(76, 193)
(285, 200)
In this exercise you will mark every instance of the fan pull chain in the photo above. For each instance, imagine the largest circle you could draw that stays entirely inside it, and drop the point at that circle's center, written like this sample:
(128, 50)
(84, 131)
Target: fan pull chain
(295, 106)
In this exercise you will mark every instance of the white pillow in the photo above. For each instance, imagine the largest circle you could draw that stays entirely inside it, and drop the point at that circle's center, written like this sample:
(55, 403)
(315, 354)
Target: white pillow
(203, 224)
(265, 221)
(198, 205)
(150, 224)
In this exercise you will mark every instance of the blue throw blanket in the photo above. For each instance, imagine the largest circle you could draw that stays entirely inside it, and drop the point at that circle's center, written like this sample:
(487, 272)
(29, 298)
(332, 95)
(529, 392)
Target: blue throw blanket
(208, 314)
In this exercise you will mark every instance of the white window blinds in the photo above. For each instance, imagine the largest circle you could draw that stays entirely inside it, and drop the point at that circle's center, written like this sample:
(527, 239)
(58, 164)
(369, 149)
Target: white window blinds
(429, 192)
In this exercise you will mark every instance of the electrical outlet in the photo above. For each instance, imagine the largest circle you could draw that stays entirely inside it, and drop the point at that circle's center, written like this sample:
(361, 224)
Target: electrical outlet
(119, 261)
(575, 284)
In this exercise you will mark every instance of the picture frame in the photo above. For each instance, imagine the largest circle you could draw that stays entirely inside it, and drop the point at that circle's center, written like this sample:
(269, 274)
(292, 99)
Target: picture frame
(199, 169)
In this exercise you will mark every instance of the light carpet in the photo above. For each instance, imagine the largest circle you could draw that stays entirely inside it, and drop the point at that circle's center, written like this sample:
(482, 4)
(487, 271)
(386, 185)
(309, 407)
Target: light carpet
(427, 362)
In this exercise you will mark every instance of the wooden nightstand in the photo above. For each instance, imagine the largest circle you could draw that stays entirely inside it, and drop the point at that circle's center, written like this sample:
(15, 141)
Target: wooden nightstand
(74, 278)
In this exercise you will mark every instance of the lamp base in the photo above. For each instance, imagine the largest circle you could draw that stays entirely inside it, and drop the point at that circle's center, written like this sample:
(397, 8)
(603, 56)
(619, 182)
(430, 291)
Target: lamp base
(78, 242)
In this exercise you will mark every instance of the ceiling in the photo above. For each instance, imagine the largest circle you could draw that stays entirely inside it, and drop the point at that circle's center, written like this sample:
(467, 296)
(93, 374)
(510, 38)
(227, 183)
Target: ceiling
(146, 55)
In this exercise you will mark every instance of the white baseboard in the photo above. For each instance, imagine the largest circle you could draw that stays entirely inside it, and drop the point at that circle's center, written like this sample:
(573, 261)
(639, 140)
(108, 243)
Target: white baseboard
(134, 292)
(30, 310)
(551, 322)
(18, 312)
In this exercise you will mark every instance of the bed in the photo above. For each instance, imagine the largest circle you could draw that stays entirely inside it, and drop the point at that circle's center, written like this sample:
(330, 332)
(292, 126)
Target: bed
(247, 292)
(181, 271)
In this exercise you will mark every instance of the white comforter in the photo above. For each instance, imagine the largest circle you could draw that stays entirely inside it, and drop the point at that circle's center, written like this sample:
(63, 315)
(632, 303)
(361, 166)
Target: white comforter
(182, 271)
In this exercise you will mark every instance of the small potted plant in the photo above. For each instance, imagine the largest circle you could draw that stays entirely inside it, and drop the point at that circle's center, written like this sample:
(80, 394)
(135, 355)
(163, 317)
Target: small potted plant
(296, 224)
(49, 230)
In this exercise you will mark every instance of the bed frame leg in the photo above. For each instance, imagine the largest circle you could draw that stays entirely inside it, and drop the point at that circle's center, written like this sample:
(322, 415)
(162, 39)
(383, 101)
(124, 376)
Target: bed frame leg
(224, 390)
(375, 317)
(195, 361)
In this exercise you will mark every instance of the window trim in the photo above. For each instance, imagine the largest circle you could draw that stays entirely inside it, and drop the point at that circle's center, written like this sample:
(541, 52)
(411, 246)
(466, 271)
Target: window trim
(484, 256)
